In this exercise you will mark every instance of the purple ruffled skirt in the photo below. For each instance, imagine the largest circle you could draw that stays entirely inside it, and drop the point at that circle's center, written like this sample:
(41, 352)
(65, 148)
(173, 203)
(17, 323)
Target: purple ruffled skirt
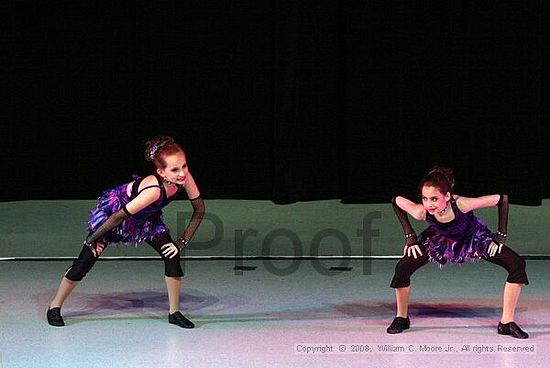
(457, 249)
(132, 231)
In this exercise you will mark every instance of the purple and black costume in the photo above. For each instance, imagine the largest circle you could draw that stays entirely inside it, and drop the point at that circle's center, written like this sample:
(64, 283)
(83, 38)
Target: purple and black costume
(465, 238)
(145, 226)
(139, 227)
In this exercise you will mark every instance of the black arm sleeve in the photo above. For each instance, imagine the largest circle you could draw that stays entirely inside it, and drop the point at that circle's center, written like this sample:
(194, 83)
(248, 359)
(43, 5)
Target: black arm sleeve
(113, 221)
(403, 217)
(502, 205)
(194, 222)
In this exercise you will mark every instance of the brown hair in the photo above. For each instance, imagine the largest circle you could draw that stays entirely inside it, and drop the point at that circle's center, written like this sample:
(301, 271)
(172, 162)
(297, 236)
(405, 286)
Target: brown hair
(158, 147)
(439, 177)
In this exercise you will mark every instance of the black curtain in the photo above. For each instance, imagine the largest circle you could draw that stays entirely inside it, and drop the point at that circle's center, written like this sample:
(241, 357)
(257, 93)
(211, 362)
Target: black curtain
(280, 100)
(455, 83)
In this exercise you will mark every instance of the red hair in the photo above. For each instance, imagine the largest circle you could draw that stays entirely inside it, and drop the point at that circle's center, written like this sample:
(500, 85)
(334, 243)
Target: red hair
(159, 147)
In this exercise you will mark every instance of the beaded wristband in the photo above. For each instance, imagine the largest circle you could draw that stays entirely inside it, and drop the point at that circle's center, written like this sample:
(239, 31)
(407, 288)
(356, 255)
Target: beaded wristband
(504, 235)
(181, 241)
(409, 235)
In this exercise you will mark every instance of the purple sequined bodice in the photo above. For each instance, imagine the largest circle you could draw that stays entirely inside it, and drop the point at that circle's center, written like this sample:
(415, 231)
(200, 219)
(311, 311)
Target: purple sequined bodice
(466, 237)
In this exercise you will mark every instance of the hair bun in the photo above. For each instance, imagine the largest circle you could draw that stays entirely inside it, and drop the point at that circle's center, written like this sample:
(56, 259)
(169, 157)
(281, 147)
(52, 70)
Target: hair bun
(446, 172)
(153, 146)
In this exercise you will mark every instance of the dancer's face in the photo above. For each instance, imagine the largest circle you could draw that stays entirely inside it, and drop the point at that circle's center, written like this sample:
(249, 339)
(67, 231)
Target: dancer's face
(433, 200)
(176, 169)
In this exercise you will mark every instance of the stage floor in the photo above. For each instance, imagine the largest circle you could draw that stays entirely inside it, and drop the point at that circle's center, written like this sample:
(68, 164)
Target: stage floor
(268, 317)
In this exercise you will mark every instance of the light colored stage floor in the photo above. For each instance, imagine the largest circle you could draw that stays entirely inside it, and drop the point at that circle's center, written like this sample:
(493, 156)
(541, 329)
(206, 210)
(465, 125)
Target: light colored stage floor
(257, 318)
(269, 316)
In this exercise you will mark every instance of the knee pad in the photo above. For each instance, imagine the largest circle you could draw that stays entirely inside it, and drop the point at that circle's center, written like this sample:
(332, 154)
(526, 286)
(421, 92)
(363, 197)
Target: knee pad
(399, 282)
(517, 274)
(81, 266)
(172, 267)
(401, 277)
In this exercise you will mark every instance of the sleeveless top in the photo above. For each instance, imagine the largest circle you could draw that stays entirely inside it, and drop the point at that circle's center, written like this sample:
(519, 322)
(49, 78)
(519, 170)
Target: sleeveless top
(139, 227)
(465, 238)
(155, 207)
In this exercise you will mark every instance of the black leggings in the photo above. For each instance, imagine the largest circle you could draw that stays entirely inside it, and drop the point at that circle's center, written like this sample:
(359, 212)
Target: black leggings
(86, 260)
(507, 258)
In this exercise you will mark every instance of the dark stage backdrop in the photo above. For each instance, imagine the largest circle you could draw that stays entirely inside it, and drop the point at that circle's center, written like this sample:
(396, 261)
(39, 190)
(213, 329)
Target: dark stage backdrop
(280, 100)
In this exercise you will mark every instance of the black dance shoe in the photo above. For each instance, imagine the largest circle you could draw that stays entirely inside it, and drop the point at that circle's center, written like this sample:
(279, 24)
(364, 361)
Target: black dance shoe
(511, 329)
(398, 325)
(179, 319)
(54, 317)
